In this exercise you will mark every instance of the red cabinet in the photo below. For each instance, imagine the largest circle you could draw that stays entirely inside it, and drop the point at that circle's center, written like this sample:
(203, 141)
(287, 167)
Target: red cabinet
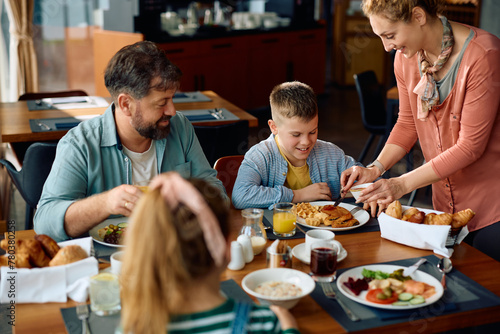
(245, 69)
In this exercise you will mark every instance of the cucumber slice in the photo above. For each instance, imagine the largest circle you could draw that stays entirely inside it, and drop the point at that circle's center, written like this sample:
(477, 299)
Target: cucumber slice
(122, 225)
(405, 296)
(400, 304)
(417, 300)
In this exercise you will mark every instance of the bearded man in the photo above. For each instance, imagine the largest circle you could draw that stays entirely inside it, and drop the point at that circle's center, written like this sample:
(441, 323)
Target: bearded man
(100, 162)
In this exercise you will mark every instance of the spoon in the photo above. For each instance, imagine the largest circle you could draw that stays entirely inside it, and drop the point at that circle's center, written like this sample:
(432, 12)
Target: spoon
(444, 265)
(300, 228)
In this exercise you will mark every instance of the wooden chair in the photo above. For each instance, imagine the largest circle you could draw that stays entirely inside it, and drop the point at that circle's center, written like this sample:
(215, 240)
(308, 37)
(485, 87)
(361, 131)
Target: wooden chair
(227, 170)
(43, 95)
(31, 178)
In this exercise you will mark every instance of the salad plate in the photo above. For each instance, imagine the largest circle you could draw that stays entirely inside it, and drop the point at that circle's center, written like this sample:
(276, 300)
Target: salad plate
(362, 216)
(94, 232)
(418, 275)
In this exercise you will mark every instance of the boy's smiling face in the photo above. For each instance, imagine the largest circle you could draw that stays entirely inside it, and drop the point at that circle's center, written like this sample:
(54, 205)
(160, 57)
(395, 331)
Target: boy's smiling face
(296, 137)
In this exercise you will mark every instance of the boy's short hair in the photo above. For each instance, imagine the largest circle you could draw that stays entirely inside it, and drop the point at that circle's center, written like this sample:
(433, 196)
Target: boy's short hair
(293, 99)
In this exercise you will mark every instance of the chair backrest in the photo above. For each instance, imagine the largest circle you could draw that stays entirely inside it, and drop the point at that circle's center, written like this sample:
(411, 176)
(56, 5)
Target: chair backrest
(43, 95)
(223, 140)
(227, 170)
(30, 179)
(372, 101)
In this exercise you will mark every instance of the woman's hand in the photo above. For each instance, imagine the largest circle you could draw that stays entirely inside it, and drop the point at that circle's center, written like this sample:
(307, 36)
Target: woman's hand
(357, 173)
(383, 192)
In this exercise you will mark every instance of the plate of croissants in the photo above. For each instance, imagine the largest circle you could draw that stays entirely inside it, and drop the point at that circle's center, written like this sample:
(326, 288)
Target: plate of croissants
(39, 252)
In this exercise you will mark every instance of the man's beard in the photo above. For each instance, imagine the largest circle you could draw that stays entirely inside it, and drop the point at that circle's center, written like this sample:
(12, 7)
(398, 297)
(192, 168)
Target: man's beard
(151, 131)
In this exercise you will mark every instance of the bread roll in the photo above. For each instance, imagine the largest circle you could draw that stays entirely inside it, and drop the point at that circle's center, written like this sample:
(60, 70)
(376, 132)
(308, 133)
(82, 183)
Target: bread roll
(414, 215)
(461, 218)
(395, 210)
(48, 244)
(68, 254)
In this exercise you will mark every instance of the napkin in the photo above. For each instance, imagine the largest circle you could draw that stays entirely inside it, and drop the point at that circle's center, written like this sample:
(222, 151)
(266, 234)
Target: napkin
(50, 284)
(432, 237)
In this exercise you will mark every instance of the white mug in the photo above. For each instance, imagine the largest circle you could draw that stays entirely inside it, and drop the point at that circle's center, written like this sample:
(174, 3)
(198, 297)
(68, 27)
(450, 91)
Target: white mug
(316, 235)
(116, 260)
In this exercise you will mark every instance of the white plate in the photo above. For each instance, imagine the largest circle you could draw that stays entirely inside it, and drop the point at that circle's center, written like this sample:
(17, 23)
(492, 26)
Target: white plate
(362, 216)
(299, 252)
(388, 268)
(95, 235)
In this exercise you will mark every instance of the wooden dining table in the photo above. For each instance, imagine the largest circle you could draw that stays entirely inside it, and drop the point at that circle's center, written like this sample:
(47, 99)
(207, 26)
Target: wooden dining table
(363, 249)
(15, 116)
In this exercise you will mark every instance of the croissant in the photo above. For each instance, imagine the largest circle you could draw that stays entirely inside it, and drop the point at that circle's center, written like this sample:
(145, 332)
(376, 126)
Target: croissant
(48, 244)
(395, 210)
(442, 219)
(21, 260)
(409, 212)
(461, 218)
(37, 256)
(428, 218)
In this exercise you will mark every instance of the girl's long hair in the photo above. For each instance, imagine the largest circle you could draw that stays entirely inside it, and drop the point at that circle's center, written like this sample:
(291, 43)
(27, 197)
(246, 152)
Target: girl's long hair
(165, 252)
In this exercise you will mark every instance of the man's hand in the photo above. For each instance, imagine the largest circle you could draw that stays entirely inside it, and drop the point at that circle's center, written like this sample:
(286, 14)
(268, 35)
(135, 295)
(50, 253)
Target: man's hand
(122, 199)
(314, 192)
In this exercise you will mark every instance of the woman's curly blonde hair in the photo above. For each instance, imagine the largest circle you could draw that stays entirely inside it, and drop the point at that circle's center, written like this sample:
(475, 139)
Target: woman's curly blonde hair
(401, 10)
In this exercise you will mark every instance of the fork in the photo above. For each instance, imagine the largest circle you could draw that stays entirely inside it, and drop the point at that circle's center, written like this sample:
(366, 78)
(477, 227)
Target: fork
(82, 311)
(355, 210)
(328, 291)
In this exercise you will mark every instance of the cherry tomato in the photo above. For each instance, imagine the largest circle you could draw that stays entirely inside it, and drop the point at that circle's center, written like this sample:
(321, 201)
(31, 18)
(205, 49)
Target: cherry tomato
(371, 296)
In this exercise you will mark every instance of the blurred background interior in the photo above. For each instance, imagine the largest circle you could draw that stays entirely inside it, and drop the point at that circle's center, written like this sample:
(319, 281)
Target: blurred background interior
(239, 49)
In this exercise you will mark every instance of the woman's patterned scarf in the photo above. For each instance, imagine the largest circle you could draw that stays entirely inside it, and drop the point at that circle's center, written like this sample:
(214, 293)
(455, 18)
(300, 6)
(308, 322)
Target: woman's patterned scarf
(426, 89)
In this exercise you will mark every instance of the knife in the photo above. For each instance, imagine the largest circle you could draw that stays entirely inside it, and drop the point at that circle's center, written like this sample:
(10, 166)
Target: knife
(340, 199)
(411, 269)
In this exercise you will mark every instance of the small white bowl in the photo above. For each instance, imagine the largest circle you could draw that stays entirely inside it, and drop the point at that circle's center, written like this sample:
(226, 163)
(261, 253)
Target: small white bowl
(356, 189)
(116, 260)
(300, 279)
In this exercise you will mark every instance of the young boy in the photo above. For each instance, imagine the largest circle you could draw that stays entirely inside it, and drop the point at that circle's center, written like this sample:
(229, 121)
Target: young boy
(292, 165)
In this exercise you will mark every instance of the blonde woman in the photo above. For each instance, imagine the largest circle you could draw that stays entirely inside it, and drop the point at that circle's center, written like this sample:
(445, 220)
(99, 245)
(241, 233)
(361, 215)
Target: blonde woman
(177, 248)
(448, 78)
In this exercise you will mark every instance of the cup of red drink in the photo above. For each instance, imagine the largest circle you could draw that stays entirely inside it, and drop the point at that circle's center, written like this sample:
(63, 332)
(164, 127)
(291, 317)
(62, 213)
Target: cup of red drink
(324, 260)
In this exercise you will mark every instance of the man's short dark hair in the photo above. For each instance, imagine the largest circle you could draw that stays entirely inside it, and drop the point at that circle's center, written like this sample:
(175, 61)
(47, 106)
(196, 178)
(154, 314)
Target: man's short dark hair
(138, 68)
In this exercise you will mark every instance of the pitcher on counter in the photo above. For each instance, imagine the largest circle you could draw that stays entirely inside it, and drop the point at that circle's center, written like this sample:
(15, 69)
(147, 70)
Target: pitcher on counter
(448, 78)
(138, 137)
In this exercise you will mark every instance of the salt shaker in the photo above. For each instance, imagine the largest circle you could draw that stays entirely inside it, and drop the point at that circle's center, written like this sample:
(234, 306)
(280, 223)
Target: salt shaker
(246, 244)
(237, 260)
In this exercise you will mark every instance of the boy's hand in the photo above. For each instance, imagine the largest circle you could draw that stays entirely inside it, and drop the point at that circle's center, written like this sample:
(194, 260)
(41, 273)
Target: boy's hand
(314, 192)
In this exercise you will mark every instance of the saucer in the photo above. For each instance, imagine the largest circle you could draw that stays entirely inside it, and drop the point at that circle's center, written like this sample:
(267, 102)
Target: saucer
(299, 252)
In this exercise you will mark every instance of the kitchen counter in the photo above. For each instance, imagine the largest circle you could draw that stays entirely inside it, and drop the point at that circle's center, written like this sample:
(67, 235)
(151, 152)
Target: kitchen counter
(209, 32)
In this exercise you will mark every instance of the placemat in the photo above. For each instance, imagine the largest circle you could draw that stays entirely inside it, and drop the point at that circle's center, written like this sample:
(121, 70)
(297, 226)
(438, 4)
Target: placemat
(268, 222)
(183, 97)
(57, 124)
(370, 226)
(198, 115)
(462, 294)
(108, 324)
(64, 103)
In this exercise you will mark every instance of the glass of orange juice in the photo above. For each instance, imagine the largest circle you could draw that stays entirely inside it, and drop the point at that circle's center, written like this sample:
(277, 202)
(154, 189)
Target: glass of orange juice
(284, 219)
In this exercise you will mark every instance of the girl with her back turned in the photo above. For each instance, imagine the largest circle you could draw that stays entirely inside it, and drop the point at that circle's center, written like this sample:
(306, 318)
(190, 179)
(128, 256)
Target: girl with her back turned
(177, 248)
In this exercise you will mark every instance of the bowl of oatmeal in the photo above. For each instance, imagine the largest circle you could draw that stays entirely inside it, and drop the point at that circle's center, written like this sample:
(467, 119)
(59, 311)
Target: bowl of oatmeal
(278, 286)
